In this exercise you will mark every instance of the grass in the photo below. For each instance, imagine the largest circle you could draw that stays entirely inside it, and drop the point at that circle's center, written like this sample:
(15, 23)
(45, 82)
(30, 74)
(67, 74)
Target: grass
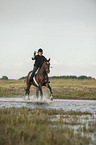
(74, 89)
(62, 88)
(21, 126)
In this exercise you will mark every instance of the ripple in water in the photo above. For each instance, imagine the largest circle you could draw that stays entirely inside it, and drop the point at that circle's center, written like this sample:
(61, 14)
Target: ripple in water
(76, 105)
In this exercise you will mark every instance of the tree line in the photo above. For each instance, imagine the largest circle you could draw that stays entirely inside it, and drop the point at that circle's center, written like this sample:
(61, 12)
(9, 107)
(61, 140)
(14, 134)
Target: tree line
(68, 77)
(57, 77)
(72, 77)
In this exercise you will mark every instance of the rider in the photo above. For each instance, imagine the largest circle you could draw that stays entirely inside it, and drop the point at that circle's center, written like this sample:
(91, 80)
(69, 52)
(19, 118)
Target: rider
(39, 59)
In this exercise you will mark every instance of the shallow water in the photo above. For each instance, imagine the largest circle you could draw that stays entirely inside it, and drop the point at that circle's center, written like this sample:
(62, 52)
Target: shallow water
(76, 105)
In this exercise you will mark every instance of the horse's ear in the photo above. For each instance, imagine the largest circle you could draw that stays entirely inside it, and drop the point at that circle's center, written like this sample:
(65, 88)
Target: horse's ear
(48, 59)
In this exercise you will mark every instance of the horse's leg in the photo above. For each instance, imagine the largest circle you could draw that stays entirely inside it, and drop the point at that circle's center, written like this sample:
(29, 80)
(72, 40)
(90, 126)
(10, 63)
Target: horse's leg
(27, 90)
(37, 91)
(51, 93)
(41, 93)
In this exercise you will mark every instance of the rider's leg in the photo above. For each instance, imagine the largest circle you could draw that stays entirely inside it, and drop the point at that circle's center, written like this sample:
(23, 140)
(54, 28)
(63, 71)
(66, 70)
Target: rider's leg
(33, 73)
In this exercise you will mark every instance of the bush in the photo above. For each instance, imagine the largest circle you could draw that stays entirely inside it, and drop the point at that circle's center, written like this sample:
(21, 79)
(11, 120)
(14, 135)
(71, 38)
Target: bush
(4, 78)
(84, 77)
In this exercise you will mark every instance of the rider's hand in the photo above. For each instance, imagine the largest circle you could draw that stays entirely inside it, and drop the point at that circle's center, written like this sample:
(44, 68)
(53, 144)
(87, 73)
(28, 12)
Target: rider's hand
(34, 53)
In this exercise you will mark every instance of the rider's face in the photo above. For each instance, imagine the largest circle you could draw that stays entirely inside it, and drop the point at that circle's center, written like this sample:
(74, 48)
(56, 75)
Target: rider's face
(40, 53)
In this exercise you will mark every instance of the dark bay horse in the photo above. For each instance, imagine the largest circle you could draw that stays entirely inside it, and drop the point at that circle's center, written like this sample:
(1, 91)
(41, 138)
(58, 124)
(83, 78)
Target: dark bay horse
(40, 79)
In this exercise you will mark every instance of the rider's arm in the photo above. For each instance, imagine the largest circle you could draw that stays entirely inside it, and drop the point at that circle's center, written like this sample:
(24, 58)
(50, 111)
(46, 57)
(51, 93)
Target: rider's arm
(34, 55)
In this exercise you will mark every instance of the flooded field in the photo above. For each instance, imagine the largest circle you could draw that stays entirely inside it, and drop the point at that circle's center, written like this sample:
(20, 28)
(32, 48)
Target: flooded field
(66, 105)
(73, 121)
(71, 116)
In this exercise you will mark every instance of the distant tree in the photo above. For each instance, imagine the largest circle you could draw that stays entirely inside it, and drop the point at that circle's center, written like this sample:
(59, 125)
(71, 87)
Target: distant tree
(72, 77)
(23, 78)
(84, 77)
(4, 78)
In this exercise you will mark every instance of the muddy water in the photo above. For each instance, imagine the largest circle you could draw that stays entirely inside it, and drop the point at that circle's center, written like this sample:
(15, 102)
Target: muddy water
(76, 105)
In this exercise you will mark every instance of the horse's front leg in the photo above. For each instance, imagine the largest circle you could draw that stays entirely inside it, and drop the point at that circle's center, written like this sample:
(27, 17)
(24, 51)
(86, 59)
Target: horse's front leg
(51, 93)
(41, 93)
(27, 91)
(37, 92)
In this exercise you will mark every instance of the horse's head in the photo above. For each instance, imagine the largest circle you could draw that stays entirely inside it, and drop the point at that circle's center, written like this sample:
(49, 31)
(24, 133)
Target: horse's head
(47, 66)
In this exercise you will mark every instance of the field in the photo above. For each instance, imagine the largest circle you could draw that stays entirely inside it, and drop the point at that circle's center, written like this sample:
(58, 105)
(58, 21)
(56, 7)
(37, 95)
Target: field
(62, 88)
(21, 126)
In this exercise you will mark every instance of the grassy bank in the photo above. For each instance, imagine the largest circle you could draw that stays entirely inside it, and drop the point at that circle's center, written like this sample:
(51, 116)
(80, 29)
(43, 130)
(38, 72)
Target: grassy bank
(74, 89)
(62, 88)
(21, 126)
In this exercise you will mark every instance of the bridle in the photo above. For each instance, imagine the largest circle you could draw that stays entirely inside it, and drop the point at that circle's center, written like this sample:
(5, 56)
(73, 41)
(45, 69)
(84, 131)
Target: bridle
(47, 66)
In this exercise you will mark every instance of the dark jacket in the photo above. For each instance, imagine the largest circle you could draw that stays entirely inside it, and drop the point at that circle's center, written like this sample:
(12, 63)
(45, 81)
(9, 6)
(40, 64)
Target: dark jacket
(39, 60)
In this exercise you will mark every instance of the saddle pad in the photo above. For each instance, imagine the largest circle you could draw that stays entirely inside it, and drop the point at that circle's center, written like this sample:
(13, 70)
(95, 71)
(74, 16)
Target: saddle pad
(35, 81)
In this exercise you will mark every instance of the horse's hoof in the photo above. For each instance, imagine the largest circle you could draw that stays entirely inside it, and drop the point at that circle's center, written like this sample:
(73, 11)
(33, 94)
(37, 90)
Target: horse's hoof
(27, 98)
(51, 98)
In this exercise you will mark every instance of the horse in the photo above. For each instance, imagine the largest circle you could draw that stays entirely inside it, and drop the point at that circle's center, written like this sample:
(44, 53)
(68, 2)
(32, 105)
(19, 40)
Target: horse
(40, 79)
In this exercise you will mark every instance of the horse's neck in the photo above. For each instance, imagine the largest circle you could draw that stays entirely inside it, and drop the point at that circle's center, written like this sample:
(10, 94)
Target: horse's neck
(41, 71)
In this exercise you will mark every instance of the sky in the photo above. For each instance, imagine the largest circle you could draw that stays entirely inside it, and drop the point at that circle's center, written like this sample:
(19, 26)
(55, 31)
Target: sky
(64, 29)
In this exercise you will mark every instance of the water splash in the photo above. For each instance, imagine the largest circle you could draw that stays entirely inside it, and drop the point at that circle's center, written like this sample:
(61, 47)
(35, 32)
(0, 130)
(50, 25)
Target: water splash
(66, 105)
(34, 99)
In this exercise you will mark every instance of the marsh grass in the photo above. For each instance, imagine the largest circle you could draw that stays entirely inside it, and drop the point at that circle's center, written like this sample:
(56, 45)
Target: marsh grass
(62, 88)
(74, 89)
(21, 126)
(13, 88)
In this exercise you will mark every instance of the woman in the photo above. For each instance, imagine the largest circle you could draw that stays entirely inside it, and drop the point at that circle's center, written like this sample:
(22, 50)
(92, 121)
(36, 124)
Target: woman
(39, 60)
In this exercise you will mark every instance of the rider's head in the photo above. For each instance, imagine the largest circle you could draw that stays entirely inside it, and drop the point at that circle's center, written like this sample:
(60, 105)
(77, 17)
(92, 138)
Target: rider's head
(40, 51)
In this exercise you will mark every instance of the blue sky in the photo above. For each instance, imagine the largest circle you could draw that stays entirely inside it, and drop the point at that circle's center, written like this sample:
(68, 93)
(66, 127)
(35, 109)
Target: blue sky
(65, 30)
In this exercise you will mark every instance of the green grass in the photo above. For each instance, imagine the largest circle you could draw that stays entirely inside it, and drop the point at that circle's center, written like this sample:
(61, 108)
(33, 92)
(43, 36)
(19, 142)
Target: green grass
(74, 89)
(62, 88)
(21, 126)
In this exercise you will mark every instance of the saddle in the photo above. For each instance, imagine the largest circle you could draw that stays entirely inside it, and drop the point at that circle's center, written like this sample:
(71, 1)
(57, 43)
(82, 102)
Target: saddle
(44, 81)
